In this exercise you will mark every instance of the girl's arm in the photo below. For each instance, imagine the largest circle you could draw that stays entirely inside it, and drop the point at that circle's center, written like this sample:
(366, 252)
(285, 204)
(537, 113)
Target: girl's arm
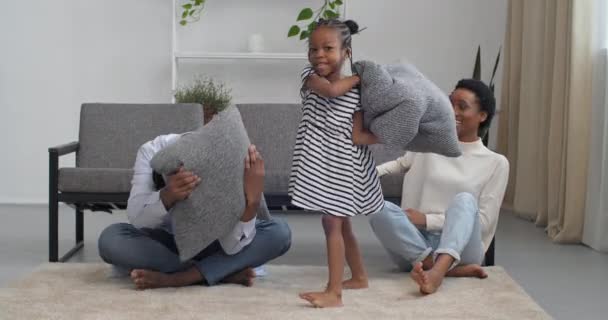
(362, 136)
(329, 89)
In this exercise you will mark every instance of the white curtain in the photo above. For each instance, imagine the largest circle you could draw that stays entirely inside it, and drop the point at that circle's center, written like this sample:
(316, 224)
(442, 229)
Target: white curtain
(595, 232)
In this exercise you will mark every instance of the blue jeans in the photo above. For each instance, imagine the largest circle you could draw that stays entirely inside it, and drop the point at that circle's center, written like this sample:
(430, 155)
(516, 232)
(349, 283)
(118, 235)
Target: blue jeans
(407, 245)
(128, 247)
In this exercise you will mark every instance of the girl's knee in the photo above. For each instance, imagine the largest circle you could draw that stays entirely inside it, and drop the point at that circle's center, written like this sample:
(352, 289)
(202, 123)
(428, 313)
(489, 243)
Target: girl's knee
(332, 224)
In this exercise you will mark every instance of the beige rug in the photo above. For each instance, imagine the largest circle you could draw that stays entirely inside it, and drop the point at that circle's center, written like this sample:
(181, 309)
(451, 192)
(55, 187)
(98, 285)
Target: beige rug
(84, 291)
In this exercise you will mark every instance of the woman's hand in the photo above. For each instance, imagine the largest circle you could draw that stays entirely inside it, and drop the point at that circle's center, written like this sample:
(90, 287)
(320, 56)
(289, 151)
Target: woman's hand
(416, 217)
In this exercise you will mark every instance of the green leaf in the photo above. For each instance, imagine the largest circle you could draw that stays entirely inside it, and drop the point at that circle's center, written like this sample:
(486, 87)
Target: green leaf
(185, 14)
(305, 14)
(330, 14)
(495, 68)
(198, 2)
(192, 12)
(338, 2)
(332, 5)
(477, 69)
(183, 22)
(294, 30)
(304, 35)
(311, 26)
(187, 6)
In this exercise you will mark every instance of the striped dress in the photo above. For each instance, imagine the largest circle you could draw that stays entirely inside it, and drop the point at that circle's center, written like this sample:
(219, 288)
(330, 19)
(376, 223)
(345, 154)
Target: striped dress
(329, 173)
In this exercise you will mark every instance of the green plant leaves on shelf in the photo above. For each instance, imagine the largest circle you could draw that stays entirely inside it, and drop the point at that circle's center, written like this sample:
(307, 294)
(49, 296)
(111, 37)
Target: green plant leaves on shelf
(328, 9)
(305, 14)
(294, 30)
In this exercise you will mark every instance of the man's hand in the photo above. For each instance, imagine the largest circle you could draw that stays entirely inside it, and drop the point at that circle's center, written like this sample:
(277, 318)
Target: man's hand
(179, 186)
(253, 182)
(416, 217)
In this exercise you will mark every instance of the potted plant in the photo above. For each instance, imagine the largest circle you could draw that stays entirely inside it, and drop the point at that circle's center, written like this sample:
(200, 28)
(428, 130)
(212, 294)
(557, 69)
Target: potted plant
(477, 76)
(213, 96)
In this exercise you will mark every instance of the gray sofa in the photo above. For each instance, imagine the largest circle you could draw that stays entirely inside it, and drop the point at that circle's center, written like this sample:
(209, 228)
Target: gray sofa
(110, 135)
(272, 127)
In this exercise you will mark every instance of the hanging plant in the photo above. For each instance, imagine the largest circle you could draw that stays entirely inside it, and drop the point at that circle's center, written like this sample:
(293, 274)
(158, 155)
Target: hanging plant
(307, 18)
(191, 11)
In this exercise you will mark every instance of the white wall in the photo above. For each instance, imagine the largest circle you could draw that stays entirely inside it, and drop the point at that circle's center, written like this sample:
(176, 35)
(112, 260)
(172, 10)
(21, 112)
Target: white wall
(57, 54)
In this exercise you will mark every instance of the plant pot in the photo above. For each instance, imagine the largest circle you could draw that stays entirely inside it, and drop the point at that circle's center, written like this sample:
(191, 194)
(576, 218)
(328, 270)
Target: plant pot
(208, 113)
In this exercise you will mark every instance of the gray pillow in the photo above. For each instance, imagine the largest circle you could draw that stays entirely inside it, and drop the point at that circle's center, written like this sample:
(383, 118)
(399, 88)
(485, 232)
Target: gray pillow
(216, 153)
(406, 110)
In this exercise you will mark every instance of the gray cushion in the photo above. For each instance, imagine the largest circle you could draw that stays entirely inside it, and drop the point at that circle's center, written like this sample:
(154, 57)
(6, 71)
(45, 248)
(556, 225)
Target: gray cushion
(109, 180)
(406, 110)
(272, 128)
(110, 134)
(216, 153)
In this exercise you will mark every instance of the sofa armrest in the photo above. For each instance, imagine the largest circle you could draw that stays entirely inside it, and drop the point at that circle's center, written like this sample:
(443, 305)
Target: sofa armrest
(64, 148)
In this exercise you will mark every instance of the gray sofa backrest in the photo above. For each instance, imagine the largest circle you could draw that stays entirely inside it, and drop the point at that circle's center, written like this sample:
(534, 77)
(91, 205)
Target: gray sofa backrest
(110, 134)
(272, 128)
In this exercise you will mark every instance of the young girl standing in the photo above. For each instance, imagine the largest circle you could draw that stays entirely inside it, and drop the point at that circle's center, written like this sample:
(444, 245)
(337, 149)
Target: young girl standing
(333, 170)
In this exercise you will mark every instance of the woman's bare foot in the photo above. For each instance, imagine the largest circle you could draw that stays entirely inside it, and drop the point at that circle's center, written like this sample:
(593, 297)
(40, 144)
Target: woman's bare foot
(244, 277)
(325, 299)
(147, 279)
(428, 281)
(358, 283)
(469, 270)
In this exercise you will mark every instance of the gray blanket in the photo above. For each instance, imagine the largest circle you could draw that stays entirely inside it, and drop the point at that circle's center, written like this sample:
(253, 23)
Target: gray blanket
(406, 110)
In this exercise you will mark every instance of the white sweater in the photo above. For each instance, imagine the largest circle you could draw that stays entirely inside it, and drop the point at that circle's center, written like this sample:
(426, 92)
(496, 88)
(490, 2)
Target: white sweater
(432, 181)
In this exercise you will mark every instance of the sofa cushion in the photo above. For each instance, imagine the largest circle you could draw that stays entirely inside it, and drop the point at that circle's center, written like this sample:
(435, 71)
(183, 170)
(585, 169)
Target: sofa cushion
(216, 153)
(95, 180)
(407, 110)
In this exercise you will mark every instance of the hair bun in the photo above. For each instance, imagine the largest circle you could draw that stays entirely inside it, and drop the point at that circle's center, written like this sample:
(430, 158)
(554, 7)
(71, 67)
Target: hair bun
(352, 26)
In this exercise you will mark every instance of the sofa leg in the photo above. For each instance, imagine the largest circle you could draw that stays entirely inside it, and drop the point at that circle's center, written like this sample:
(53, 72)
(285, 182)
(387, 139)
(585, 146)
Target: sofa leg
(79, 224)
(53, 230)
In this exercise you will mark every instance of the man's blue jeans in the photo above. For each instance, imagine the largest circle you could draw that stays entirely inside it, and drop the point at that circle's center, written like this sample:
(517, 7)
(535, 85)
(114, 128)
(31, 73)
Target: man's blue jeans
(128, 247)
(407, 245)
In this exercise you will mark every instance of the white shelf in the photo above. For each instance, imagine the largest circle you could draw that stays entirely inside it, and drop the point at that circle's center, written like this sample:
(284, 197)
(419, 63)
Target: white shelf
(241, 55)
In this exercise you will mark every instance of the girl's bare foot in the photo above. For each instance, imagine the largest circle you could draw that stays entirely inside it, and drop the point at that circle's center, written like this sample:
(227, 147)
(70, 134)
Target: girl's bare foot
(325, 299)
(244, 277)
(469, 270)
(355, 283)
(428, 281)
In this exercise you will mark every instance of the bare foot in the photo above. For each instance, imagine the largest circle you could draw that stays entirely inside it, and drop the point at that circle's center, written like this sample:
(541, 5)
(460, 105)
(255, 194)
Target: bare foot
(359, 283)
(147, 279)
(469, 270)
(244, 277)
(322, 299)
(429, 281)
